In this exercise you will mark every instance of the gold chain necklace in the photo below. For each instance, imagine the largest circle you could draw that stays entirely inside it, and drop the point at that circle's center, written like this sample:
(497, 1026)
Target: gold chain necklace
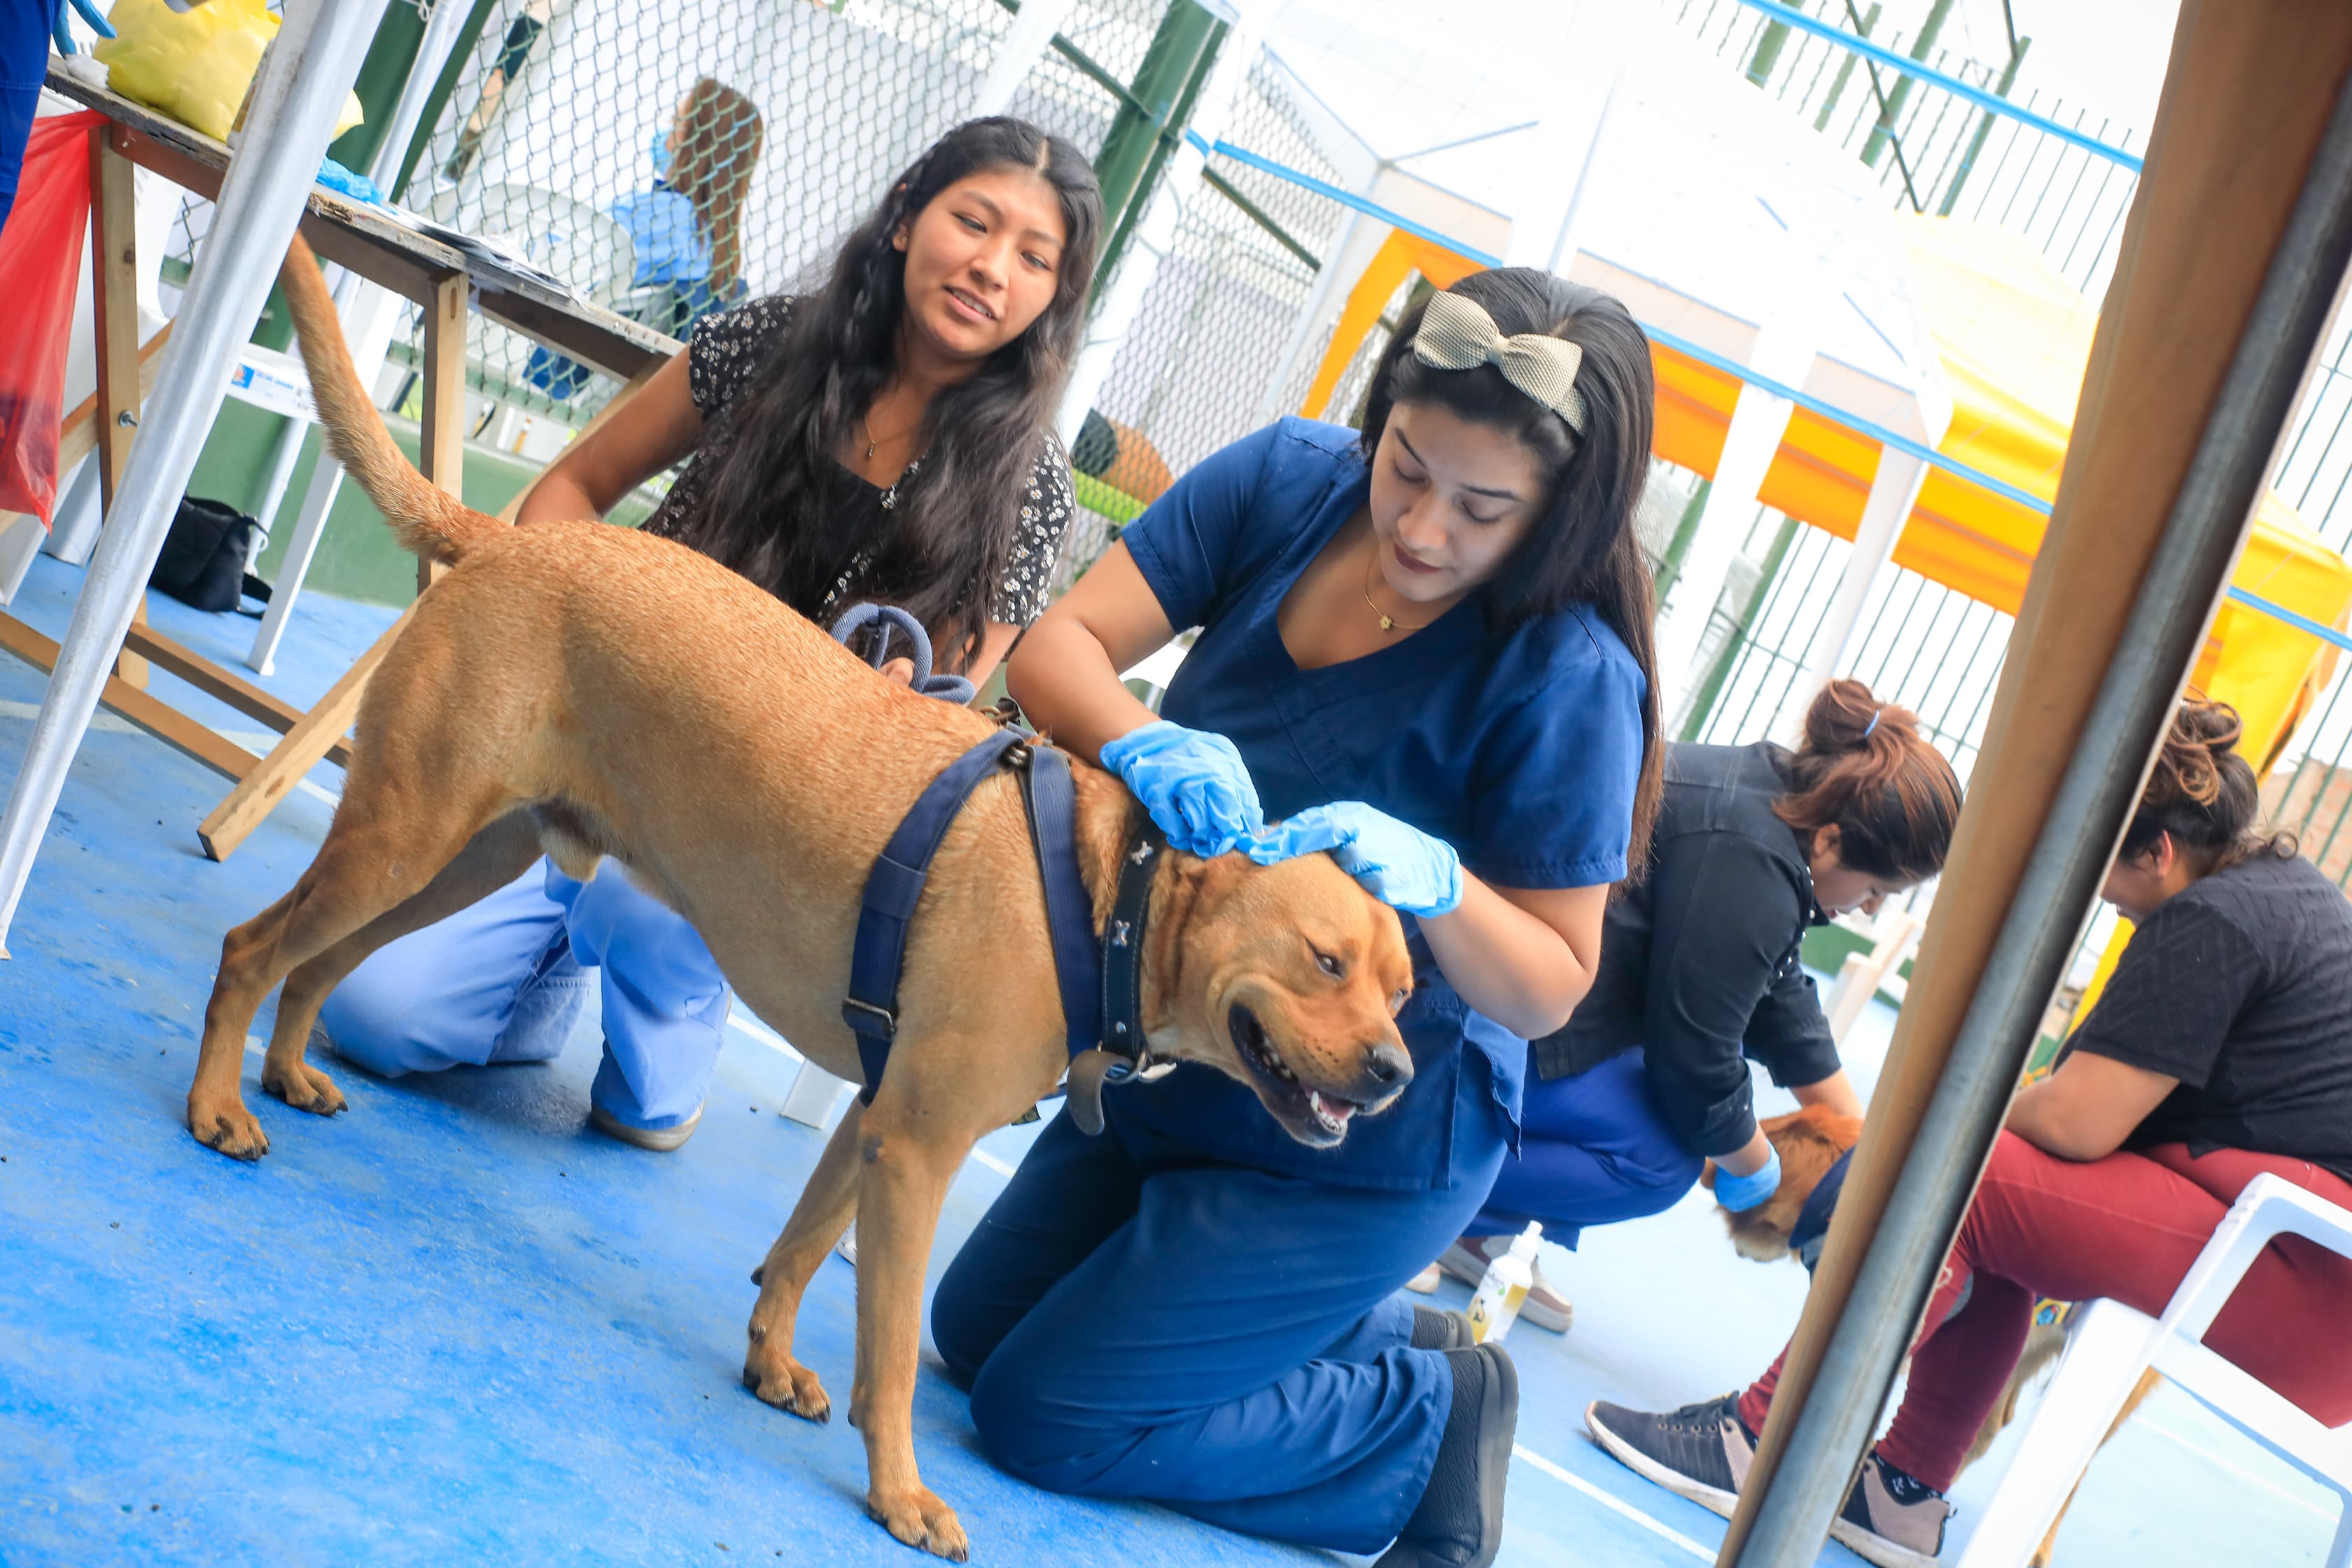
(1388, 623)
(866, 423)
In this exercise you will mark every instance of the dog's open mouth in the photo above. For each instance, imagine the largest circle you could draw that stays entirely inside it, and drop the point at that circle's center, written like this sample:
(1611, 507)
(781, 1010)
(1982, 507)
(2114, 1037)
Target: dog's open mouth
(1309, 1115)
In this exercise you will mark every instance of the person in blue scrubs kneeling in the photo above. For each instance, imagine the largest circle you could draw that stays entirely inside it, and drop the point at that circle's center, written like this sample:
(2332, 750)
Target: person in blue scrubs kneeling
(1428, 648)
(889, 438)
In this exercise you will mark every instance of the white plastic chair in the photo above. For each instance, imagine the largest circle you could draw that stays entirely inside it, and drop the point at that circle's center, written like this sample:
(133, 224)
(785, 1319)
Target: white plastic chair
(2105, 1358)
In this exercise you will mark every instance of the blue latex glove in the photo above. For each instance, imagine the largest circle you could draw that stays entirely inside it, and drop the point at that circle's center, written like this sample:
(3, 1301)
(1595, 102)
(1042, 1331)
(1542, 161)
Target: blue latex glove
(335, 177)
(89, 13)
(1194, 784)
(1397, 863)
(1740, 1194)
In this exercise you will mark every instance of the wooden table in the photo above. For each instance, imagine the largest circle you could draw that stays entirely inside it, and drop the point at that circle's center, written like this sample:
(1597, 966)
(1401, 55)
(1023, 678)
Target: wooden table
(372, 243)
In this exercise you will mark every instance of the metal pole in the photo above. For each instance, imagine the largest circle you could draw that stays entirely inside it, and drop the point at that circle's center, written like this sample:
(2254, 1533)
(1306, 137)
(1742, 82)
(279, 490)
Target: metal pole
(1025, 43)
(1118, 305)
(308, 69)
(2167, 624)
(1180, 56)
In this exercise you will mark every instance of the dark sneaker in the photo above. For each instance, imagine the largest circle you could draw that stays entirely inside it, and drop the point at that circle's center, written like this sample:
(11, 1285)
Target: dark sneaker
(1459, 1522)
(1891, 1519)
(1466, 1260)
(1435, 1328)
(1701, 1452)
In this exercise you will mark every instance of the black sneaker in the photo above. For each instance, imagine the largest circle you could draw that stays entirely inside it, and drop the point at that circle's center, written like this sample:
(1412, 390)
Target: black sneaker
(1891, 1519)
(1435, 1328)
(1701, 1452)
(1459, 1522)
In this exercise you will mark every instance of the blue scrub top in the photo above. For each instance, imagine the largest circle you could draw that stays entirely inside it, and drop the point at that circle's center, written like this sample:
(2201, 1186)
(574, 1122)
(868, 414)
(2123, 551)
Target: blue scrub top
(1521, 748)
(667, 234)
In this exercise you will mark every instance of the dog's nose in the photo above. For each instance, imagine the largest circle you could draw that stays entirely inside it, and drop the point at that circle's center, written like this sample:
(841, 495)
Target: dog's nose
(1387, 1064)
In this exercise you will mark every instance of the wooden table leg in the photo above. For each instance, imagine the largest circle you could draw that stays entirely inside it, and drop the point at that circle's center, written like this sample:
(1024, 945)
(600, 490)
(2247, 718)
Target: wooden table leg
(275, 776)
(167, 724)
(441, 436)
(114, 309)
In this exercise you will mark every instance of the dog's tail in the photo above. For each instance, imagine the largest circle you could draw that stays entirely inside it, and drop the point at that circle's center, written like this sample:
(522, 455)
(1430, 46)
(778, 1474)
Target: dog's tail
(430, 521)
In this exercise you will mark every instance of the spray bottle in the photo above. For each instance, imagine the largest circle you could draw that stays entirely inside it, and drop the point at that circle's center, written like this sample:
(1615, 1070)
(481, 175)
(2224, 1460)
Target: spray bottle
(1495, 1306)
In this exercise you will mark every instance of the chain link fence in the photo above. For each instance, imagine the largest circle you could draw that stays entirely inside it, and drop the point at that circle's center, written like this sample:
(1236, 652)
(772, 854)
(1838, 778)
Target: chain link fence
(666, 163)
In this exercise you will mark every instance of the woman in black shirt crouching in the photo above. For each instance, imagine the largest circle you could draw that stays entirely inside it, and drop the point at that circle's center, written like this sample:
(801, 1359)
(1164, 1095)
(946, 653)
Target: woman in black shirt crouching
(2222, 1049)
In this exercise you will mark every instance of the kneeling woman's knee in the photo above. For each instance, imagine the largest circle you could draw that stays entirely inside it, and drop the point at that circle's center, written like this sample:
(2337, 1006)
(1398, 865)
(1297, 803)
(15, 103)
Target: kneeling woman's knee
(1030, 1433)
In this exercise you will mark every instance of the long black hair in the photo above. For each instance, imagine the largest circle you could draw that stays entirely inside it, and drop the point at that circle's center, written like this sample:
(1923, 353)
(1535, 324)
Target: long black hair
(777, 512)
(1583, 547)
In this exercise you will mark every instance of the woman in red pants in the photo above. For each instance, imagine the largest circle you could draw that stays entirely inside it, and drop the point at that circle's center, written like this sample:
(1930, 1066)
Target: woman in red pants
(2222, 1048)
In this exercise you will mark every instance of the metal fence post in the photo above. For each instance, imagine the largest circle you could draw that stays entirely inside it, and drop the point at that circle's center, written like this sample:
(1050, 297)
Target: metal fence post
(1890, 117)
(1984, 129)
(1135, 148)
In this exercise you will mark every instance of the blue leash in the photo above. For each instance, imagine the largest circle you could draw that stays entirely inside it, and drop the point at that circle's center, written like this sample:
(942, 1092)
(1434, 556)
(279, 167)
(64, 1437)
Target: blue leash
(954, 689)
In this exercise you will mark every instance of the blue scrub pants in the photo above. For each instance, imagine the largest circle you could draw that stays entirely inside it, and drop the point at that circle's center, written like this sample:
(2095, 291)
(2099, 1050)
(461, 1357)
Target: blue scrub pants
(23, 56)
(504, 980)
(1224, 1341)
(1594, 1149)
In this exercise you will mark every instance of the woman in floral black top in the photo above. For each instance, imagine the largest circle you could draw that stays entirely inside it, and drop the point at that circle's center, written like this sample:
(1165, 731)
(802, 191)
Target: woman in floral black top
(889, 438)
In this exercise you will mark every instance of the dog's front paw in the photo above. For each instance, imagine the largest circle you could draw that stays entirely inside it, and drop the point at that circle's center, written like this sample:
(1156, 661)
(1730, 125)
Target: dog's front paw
(919, 1518)
(226, 1126)
(304, 1088)
(782, 1382)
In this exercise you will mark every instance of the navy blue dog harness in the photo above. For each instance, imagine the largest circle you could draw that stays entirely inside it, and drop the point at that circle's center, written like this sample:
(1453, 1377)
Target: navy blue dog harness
(1100, 981)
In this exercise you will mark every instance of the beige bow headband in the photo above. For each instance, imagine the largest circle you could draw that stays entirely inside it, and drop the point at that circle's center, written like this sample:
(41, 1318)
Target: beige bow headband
(1457, 334)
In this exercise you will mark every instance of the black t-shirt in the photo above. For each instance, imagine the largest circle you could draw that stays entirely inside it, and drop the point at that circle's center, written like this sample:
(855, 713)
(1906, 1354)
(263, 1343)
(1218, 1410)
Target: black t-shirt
(1699, 959)
(722, 358)
(2240, 986)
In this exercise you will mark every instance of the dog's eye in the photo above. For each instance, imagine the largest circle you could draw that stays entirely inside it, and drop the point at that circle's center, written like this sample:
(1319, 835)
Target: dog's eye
(1330, 966)
(1396, 1002)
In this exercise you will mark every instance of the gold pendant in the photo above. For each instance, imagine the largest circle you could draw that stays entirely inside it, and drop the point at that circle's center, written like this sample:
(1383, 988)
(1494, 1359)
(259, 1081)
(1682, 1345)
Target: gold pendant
(1387, 625)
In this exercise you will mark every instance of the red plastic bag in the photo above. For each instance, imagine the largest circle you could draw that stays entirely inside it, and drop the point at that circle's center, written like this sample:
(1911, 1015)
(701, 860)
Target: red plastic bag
(40, 266)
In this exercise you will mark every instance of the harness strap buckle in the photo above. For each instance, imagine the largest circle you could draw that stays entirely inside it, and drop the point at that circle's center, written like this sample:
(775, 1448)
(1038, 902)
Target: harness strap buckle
(866, 1018)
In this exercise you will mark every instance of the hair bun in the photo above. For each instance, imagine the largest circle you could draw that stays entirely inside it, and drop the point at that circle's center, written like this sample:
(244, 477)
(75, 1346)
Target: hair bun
(1846, 718)
(2189, 768)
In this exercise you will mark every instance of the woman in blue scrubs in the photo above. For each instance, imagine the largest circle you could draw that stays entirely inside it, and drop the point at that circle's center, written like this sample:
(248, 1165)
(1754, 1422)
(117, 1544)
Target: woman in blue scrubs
(1428, 648)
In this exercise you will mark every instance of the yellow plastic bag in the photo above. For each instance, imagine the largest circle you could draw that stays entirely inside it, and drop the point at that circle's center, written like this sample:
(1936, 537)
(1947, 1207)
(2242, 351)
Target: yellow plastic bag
(194, 65)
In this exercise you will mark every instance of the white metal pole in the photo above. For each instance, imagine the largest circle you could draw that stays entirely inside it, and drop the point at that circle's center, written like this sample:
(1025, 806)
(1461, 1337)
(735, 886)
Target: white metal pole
(308, 69)
(1148, 245)
(1025, 43)
(1893, 494)
(1322, 304)
(1759, 420)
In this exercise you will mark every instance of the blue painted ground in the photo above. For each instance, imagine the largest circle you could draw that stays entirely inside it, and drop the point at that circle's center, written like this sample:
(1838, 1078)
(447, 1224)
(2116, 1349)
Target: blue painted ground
(455, 1325)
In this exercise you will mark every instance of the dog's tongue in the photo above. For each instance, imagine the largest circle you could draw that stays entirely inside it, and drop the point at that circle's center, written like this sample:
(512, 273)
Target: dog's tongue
(1329, 1112)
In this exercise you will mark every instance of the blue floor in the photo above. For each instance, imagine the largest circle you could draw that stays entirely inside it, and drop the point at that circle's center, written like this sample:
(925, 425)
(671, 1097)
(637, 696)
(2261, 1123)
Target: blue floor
(458, 1326)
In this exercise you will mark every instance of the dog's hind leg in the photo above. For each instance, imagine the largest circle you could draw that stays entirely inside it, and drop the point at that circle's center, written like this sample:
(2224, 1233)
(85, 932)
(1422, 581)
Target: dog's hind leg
(826, 1207)
(493, 858)
(380, 851)
(907, 1152)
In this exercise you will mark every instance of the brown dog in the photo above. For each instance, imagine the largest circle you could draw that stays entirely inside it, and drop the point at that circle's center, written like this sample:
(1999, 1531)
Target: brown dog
(1808, 1141)
(591, 690)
